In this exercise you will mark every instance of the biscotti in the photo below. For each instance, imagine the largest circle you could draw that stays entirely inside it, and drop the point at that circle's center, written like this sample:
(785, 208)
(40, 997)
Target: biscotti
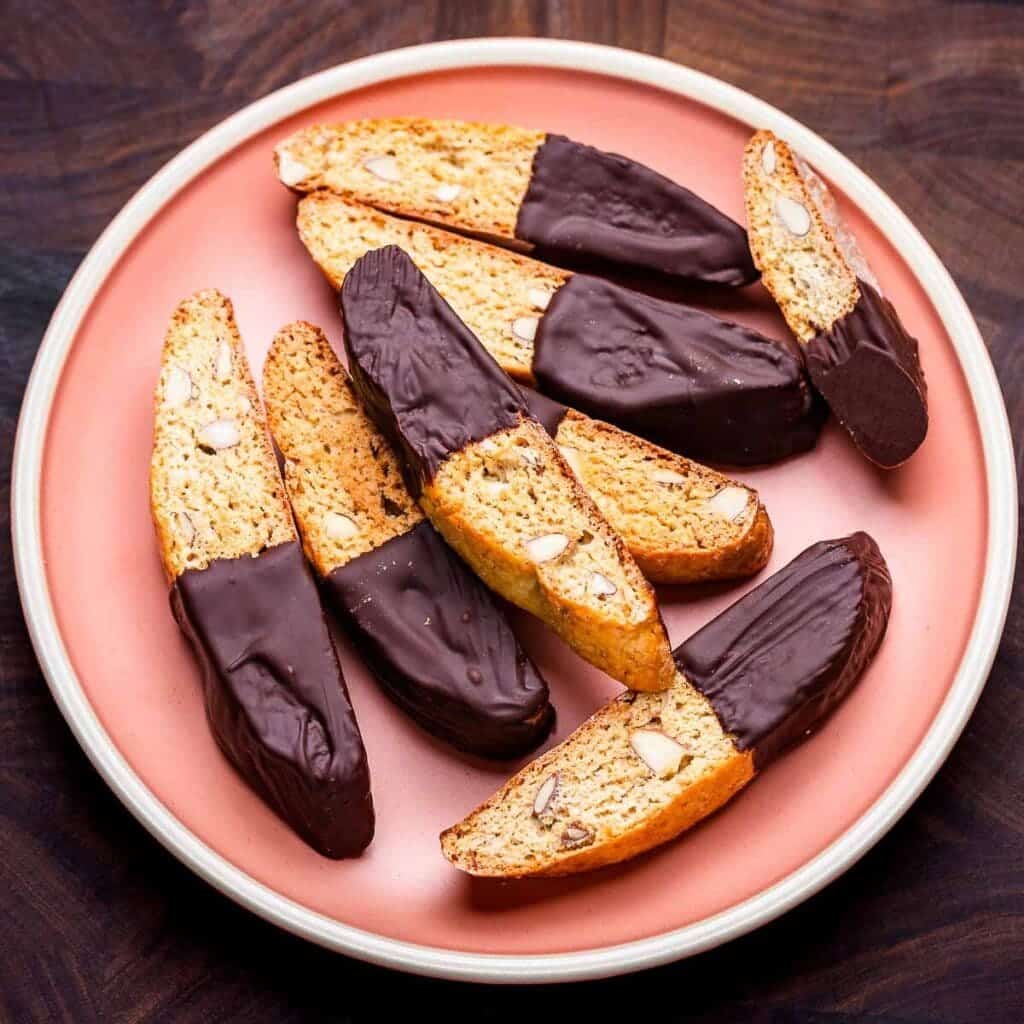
(682, 522)
(860, 356)
(688, 381)
(241, 590)
(489, 477)
(430, 630)
(522, 187)
(644, 768)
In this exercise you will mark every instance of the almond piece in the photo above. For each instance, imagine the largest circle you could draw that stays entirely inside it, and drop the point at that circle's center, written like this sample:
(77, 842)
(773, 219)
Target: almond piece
(185, 527)
(768, 161)
(178, 388)
(576, 835)
(383, 167)
(730, 502)
(546, 546)
(222, 367)
(601, 586)
(538, 298)
(525, 327)
(668, 477)
(244, 405)
(794, 215)
(545, 795)
(290, 170)
(339, 527)
(447, 193)
(662, 754)
(530, 457)
(218, 435)
(573, 457)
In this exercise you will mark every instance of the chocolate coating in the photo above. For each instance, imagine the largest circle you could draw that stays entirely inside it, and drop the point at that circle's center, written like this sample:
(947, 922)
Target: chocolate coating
(421, 374)
(867, 368)
(275, 696)
(585, 203)
(435, 637)
(546, 411)
(778, 661)
(698, 385)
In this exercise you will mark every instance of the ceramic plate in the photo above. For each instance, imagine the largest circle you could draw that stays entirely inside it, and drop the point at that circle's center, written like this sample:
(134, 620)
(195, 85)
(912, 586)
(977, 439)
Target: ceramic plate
(97, 605)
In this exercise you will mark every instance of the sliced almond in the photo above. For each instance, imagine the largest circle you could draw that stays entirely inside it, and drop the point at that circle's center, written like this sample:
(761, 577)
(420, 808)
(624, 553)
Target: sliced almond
(494, 488)
(339, 527)
(290, 170)
(730, 502)
(545, 795)
(178, 388)
(576, 835)
(525, 327)
(185, 527)
(601, 586)
(223, 365)
(538, 298)
(662, 754)
(668, 477)
(546, 546)
(447, 193)
(768, 161)
(573, 456)
(383, 167)
(529, 456)
(244, 405)
(794, 215)
(218, 435)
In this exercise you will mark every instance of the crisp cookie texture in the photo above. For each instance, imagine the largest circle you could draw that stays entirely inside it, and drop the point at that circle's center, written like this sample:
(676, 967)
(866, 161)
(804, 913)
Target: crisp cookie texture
(343, 478)
(214, 486)
(682, 522)
(490, 477)
(499, 295)
(468, 175)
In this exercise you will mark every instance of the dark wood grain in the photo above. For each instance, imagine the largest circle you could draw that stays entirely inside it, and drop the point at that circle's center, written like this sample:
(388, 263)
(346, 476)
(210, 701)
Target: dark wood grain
(97, 922)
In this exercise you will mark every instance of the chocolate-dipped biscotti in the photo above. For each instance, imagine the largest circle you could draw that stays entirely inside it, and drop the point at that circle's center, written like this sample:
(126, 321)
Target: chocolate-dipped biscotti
(860, 356)
(241, 590)
(488, 475)
(524, 188)
(755, 680)
(682, 522)
(697, 385)
(430, 630)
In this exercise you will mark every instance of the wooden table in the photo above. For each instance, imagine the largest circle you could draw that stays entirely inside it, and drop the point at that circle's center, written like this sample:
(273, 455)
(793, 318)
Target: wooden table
(98, 922)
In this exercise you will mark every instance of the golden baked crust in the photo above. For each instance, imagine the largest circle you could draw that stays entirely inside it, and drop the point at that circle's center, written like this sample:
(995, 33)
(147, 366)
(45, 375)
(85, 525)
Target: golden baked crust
(215, 489)
(464, 174)
(607, 803)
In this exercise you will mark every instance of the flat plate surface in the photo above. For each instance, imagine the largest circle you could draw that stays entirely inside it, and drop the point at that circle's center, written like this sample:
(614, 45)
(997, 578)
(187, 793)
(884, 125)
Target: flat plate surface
(233, 228)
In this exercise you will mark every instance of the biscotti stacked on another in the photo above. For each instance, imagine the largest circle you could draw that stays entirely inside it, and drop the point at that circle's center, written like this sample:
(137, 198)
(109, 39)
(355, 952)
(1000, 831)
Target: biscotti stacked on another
(646, 767)
(696, 384)
(682, 522)
(859, 355)
(488, 475)
(242, 593)
(522, 187)
(430, 630)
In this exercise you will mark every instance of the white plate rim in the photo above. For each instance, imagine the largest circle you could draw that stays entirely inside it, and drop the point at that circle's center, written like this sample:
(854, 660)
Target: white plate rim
(483, 967)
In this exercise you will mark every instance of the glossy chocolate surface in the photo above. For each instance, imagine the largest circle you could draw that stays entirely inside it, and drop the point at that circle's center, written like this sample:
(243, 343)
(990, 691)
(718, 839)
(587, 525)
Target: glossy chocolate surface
(584, 203)
(421, 374)
(546, 411)
(782, 657)
(437, 640)
(867, 368)
(698, 385)
(275, 696)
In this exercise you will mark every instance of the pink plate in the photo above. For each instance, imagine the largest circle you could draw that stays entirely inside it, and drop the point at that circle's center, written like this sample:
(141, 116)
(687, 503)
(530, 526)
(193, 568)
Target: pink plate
(97, 603)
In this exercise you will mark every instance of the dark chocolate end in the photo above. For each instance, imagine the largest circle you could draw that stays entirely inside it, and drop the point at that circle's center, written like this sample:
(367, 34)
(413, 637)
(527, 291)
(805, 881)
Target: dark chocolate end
(275, 696)
(435, 637)
(585, 204)
(867, 368)
(547, 412)
(778, 661)
(700, 386)
(422, 376)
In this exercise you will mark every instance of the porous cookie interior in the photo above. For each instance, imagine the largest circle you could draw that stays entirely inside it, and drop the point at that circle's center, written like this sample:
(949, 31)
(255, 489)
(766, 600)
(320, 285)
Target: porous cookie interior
(802, 264)
(342, 476)
(469, 175)
(499, 295)
(661, 502)
(214, 485)
(595, 797)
